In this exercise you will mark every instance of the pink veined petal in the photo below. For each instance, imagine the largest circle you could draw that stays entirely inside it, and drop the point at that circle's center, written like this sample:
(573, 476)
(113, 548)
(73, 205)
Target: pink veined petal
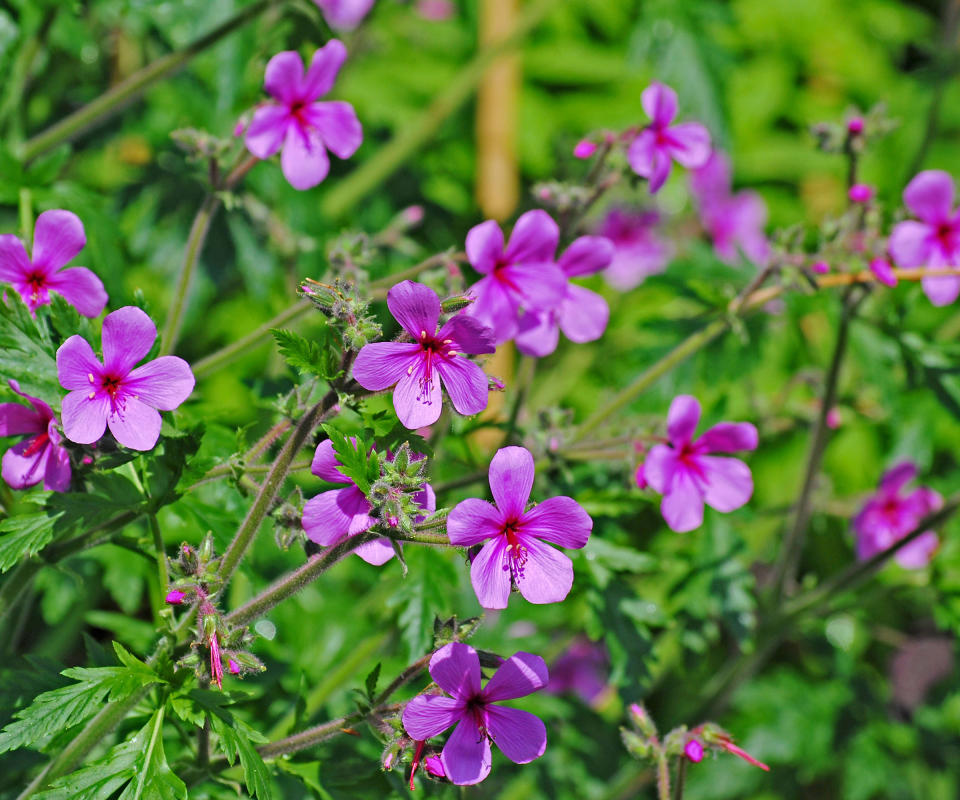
(284, 76)
(416, 407)
(541, 286)
(380, 365)
(659, 466)
(57, 237)
(917, 554)
(533, 240)
(547, 574)
(430, 714)
(16, 419)
(57, 476)
(324, 67)
(586, 255)
(456, 669)
(660, 172)
(520, 735)
(538, 335)
(930, 196)
(729, 483)
(689, 144)
(136, 425)
(426, 498)
(19, 470)
(76, 363)
(911, 243)
(484, 246)
(473, 521)
(642, 153)
(898, 476)
(560, 520)
(494, 307)
(304, 160)
(15, 266)
(338, 125)
(466, 384)
(415, 306)
(682, 419)
(520, 675)
(84, 419)
(128, 334)
(929, 500)
(941, 291)
(376, 553)
(466, 755)
(511, 476)
(583, 315)
(469, 335)
(659, 103)
(728, 437)
(682, 508)
(325, 464)
(267, 130)
(325, 520)
(490, 574)
(81, 288)
(163, 383)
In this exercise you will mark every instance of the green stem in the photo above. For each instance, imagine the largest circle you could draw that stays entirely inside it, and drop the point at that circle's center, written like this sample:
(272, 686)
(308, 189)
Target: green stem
(681, 777)
(162, 573)
(525, 373)
(25, 201)
(663, 777)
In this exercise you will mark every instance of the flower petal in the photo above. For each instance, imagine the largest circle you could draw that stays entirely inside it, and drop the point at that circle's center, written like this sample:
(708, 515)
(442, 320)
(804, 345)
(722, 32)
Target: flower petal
(682, 508)
(57, 237)
(540, 286)
(377, 553)
(466, 755)
(660, 172)
(898, 476)
(76, 363)
(659, 466)
(20, 470)
(586, 255)
(495, 307)
(583, 315)
(380, 365)
(484, 246)
(15, 266)
(324, 67)
(538, 335)
(930, 196)
(415, 306)
(941, 291)
(659, 103)
(267, 130)
(304, 160)
(456, 669)
(473, 521)
(325, 464)
(511, 476)
(518, 676)
(57, 475)
(84, 419)
(911, 243)
(917, 554)
(429, 714)
(642, 153)
(466, 384)
(729, 483)
(728, 437)
(469, 335)
(163, 383)
(16, 419)
(561, 520)
(418, 406)
(81, 288)
(682, 419)
(128, 334)
(338, 125)
(344, 14)
(136, 425)
(547, 574)
(284, 76)
(520, 735)
(534, 239)
(330, 516)
(689, 144)
(490, 574)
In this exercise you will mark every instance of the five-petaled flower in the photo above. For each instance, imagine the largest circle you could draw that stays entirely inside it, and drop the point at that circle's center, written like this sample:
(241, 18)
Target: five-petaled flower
(57, 237)
(466, 757)
(516, 552)
(660, 143)
(38, 457)
(685, 473)
(891, 514)
(114, 393)
(416, 368)
(638, 251)
(302, 127)
(934, 240)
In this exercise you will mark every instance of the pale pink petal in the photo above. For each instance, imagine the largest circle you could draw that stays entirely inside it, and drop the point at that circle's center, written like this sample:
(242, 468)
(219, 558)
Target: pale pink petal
(304, 160)
(136, 425)
(80, 288)
(19, 470)
(911, 243)
(682, 508)
(128, 334)
(84, 419)
(469, 335)
(538, 334)
(658, 469)
(320, 77)
(917, 554)
(520, 735)
(560, 520)
(541, 286)
(495, 307)
(466, 384)
(941, 291)
(642, 153)
(930, 196)
(417, 405)
(712, 181)
(380, 365)
(267, 130)
(898, 476)
(518, 676)
(376, 553)
(57, 476)
(76, 363)
(333, 515)
(659, 103)
(283, 76)
(533, 240)
(586, 255)
(338, 125)
(682, 419)
(430, 714)
(729, 483)
(344, 14)
(661, 171)
(689, 144)
(456, 669)
(547, 574)
(415, 306)
(484, 246)
(490, 574)
(583, 315)
(728, 437)
(15, 266)
(511, 476)
(473, 521)
(16, 419)
(57, 237)
(325, 464)
(466, 755)
(163, 383)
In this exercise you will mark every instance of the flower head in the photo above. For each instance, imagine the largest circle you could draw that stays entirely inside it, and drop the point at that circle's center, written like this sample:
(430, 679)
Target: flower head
(416, 368)
(466, 757)
(891, 514)
(115, 392)
(659, 144)
(39, 456)
(57, 237)
(517, 552)
(933, 239)
(295, 122)
(344, 15)
(637, 250)
(687, 475)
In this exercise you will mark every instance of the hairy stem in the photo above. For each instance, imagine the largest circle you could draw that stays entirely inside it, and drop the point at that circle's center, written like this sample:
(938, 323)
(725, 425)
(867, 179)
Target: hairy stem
(681, 777)
(162, 572)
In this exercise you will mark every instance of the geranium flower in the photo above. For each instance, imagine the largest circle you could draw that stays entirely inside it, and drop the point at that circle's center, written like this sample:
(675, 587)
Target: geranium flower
(417, 367)
(466, 757)
(114, 393)
(637, 250)
(332, 516)
(302, 127)
(934, 240)
(516, 552)
(57, 237)
(344, 15)
(891, 514)
(522, 276)
(685, 473)
(582, 315)
(38, 457)
(654, 149)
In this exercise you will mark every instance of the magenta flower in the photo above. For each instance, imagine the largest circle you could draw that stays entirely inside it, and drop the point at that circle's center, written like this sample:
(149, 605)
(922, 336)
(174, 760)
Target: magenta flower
(860, 193)
(883, 271)
(466, 757)
(516, 552)
(417, 367)
(687, 476)
(890, 515)
(332, 516)
(582, 669)
(39, 457)
(693, 750)
(934, 240)
(57, 237)
(638, 251)
(175, 597)
(302, 127)
(660, 143)
(114, 393)
(522, 276)
(344, 15)
(582, 315)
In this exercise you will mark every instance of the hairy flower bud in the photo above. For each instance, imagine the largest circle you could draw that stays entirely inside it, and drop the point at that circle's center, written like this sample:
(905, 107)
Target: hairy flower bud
(694, 751)
(175, 597)
(456, 303)
(584, 149)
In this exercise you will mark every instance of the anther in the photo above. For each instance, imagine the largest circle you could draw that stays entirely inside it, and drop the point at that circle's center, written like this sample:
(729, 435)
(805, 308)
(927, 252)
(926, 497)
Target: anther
(90, 376)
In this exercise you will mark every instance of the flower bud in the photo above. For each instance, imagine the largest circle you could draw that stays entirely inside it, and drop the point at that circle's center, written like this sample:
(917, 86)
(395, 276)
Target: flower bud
(434, 766)
(584, 149)
(855, 125)
(860, 193)
(413, 215)
(694, 751)
(641, 478)
(456, 303)
(233, 666)
(820, 267)
(640, 718)
(883, 271)
(175, 597)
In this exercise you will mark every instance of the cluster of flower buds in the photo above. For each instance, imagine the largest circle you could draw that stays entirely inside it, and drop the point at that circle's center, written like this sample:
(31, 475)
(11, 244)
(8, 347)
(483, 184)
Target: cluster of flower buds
(562, 198)
(393, 495)
(852, 134)
(200, 145)
(342, 303)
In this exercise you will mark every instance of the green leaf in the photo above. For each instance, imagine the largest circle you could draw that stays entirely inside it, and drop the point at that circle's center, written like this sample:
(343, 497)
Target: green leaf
(24, 537)
(26, 354)
(370, 684)
(318, 358)
(357, 459)
(170, 464)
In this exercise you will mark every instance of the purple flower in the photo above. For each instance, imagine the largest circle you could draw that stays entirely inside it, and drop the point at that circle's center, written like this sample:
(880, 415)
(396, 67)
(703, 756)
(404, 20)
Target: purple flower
(522, 276)
(57, 237)
(734, 222)
(820, 267)
(39, 457)
(884, 273)
(466, 757)
(693, 750)
(934, 241)
(175, 597)
(582, 669)
(517, 552)
(860, 193)
(114, 393)
(582, 315)
(302, 127)
(685, 473)
(332, 516)
(660, 143)
(417, 367)
(344, 15)
(890, 515)
(638, 251)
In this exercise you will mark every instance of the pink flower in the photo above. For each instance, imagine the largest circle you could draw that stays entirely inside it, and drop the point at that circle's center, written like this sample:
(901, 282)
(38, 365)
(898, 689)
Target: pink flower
(687, 475)
(883, 271)
(57, 237)
(934, 240)
(115, 394)
(855, 125)
(582, 315)
(516, 552)
(434, 765)
(415, 368)
(820, 267)
(582, 669)
(175, 597)
(660, 143)
(332, 516)
(522, 276)
(233, 667)
(466, 757)
(889, 515)
(637, 250)
(734, 222)
(38, 457)
(860, 193)
(584, 149)
(302, 127)
(344, 15)
(694, 751)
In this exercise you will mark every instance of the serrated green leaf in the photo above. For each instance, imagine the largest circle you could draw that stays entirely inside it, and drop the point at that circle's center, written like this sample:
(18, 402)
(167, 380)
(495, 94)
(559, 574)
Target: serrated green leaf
(318, 358)
(26, 354)
(370, 683)
(358, 461)
(22, 537)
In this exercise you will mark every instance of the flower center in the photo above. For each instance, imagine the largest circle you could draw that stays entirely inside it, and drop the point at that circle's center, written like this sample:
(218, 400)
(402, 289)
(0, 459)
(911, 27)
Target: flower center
(501, 274)
(433, 350)
(477, 708)
(945, 235)
(517, 552)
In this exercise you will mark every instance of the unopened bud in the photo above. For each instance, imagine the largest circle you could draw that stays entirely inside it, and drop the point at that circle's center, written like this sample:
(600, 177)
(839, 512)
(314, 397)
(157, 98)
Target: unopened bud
(883, 271)
(820, 267)
(456, 303)
(641, 478)
(413, 215)
(434, 766)
(206, 548)
(233, 666)
(584, 149)
(175, 597)
(860, 193)
(855, 125)
(642, 720)
(694, 751)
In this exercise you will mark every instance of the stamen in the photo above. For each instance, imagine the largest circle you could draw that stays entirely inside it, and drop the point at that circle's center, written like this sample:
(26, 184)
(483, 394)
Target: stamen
(91, 396)
(90, 376)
